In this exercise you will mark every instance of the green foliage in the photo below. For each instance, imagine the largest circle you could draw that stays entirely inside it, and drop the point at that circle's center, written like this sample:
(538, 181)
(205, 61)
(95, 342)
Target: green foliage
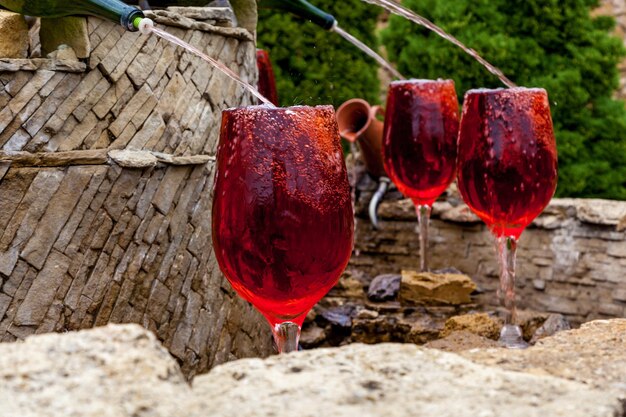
(314, 66)
(553, 44)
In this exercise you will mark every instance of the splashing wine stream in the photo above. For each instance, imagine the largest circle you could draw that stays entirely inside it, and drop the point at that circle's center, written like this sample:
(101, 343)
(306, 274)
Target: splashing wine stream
(147, 29)
(402, 11)
(367, 50)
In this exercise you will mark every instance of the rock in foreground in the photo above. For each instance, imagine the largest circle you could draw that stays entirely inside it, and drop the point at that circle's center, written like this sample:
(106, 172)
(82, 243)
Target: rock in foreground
(390, 380)
(114, 371)
(123, 371)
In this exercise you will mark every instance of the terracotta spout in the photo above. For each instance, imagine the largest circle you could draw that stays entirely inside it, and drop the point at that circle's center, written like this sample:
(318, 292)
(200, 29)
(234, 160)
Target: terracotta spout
(358, 122)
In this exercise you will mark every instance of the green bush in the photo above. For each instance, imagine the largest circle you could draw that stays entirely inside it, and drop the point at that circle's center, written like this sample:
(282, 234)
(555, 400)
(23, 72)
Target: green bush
(314, 66)
(554, 44)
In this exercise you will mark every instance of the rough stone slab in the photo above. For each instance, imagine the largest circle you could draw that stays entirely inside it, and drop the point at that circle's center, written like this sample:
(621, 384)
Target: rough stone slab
(133, 159)
(35, 64)
(221, 15)
(175, 20)
(183, 160)
(58, 159)
(41, 293)
(115, 371)
(594, 354)
(390, 380)
(58, 211)
(431, 288)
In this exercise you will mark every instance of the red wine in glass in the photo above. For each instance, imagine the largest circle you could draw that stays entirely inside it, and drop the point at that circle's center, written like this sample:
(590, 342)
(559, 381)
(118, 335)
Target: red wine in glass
(419, 144)
(282, 214)
(507, 173)
(267, 81)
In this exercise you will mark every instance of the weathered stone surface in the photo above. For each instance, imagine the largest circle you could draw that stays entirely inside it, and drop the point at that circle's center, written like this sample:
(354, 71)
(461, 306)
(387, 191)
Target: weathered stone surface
(384, 287)
(480, 324)
(133, 159)
(460, 340)
(15, 39)
(593, 355)
(71, 31)
(112, 371)
(34, 64)
(431, 288)
(220, 16)
(390, 380)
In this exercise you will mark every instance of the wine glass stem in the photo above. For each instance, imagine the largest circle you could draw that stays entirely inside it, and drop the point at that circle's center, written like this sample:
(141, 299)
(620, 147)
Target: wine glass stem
(506, 293)
(423, 219)
(286, 336)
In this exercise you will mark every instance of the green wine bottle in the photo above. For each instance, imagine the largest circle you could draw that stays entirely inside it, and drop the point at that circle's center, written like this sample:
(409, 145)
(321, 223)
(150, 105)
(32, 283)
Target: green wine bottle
(114, 10)
(301, 8)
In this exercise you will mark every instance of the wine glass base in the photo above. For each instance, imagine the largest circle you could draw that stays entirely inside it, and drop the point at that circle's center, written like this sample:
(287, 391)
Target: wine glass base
(511, 337)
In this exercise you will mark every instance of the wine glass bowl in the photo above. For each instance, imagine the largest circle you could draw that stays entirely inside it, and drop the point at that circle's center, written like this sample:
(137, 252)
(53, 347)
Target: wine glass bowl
(282, 214)
(420, 144)
(507, 157)
(507, 174)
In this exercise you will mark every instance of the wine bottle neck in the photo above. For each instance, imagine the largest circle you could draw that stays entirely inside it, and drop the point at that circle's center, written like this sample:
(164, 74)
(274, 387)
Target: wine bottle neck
(301, 8)
(113, 10)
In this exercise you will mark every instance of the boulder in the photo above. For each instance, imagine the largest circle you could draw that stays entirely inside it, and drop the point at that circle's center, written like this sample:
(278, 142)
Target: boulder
(122, 371)
(390, 380)
(594, 354)
(15, 37)
(480, 324)
(431, 288)
(113, 371)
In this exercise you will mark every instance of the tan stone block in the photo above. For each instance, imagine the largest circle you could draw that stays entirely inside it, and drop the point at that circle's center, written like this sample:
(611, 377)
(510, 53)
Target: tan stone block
(431, 288)
(71, 31)
(14, 41)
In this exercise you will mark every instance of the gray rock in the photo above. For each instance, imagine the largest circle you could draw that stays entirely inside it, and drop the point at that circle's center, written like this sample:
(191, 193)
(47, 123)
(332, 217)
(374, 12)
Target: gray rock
(389, 380)
(553, 324)
(111, 371)
(384, 287)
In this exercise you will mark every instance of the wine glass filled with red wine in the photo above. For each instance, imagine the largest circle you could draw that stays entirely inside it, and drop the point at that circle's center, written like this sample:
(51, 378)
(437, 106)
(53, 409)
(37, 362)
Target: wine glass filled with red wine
(507, 174)
(419, 144)
(282, 214)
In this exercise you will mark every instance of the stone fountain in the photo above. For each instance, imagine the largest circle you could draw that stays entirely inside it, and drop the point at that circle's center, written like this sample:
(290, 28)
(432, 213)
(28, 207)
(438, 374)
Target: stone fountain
(107, 143)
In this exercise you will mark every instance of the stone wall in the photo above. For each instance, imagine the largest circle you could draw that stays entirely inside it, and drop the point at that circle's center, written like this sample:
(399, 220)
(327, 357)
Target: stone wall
(571, 260)
(91, 235)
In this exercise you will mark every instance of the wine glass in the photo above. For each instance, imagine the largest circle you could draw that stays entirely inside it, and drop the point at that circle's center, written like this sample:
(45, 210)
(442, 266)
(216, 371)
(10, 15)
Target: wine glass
(507, 174)
(282, 215)
(267, 81)
(419, 144)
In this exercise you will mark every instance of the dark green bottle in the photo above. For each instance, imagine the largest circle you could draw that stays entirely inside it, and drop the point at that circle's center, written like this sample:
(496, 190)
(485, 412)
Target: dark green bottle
(113, 10)
(301, 8)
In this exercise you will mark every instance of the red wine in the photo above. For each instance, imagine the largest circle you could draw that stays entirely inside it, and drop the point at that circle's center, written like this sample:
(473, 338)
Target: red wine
(507, 157)
(282, 214)
(419, 142)
(267, 81)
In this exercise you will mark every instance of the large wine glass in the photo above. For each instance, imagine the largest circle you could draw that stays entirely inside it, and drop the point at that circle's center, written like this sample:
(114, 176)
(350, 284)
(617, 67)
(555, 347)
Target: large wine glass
(507, 174)
(419, 144)
(282, 215)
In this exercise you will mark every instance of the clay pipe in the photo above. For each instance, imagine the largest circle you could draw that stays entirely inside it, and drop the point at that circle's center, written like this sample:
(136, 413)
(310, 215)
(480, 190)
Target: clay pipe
(358, 123)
